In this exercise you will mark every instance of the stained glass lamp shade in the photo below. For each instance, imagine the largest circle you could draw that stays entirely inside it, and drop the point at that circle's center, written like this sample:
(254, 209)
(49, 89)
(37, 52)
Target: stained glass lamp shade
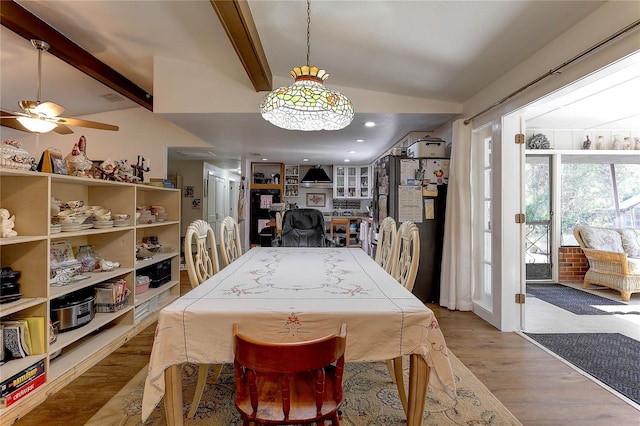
(307, 104)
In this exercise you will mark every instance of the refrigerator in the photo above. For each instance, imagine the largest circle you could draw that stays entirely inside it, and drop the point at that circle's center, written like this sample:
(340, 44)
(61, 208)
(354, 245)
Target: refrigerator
(415, 189)
(260, 211)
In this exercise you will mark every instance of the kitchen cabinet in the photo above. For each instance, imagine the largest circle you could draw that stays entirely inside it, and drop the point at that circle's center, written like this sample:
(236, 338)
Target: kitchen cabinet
(267, 176)
(291, 180)
(352, 181)
(27, 195)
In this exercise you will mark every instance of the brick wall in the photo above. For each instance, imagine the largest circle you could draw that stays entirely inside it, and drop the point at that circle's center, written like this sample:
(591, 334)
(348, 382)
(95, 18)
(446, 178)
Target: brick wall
(572, 264)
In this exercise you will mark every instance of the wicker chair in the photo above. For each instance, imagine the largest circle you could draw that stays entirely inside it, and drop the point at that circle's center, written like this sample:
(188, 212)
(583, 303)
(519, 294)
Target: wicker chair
(614, 258)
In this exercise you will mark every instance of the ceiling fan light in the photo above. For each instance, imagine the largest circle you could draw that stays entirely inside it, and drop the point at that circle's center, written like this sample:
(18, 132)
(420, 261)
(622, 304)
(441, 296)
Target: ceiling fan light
(37, 125)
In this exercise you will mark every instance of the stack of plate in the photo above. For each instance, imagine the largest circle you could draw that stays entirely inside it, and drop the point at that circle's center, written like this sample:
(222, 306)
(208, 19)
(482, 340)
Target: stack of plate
(71, 227)
(101, 224)
(55, 228)
(122, 222)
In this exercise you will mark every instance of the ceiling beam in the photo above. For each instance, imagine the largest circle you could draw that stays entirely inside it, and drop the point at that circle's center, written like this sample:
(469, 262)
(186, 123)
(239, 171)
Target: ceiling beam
(25, 24)
(236, 19)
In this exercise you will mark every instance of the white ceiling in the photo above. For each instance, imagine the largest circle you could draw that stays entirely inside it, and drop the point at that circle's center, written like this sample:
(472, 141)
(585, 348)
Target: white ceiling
(440, 50)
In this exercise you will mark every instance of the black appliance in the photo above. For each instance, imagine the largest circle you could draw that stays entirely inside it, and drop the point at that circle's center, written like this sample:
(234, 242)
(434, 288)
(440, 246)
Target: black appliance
(260, 213)
(392, 174)
(9, 285)
(159, 273)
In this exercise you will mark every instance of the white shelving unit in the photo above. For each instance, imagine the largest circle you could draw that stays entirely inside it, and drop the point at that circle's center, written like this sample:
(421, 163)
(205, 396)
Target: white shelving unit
(291, 180)
(27, 196)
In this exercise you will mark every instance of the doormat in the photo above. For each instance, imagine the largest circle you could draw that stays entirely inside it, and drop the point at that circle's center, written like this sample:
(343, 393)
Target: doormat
(571, 299)
(611, 358)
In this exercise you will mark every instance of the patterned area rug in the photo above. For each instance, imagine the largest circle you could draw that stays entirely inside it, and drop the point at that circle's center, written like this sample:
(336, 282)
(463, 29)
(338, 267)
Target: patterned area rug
(612, 358)
(571, 299)
(371, 399)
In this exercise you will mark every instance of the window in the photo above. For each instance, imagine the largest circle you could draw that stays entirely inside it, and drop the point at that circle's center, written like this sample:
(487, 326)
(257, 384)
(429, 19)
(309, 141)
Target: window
(599, 194)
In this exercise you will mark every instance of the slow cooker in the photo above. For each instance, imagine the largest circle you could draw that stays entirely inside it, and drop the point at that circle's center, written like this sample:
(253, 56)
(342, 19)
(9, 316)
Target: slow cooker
(74, 310)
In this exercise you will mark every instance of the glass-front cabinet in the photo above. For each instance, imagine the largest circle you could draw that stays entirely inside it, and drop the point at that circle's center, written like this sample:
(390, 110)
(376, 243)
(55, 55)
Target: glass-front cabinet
(352, 181)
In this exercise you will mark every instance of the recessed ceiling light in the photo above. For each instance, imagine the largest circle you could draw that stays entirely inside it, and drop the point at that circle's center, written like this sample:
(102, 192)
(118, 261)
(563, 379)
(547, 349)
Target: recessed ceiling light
(359, 140)
(346, 160)
(369, 124)
(305, 160)
(264, 159)
(351, 152)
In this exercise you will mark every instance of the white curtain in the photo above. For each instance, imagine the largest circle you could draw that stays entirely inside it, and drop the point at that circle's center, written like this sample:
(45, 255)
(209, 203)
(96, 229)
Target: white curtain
(456, 285)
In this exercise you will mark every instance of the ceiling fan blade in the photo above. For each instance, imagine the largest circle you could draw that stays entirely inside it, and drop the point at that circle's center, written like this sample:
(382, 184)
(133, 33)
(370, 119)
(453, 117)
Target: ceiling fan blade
(85, 123)
(61, 129)
(48, 108)
(12, 122)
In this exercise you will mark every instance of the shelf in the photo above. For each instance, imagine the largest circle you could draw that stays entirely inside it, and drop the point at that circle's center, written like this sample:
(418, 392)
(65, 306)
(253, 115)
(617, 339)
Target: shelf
(69, 360)
(27, 195)
(94, 278)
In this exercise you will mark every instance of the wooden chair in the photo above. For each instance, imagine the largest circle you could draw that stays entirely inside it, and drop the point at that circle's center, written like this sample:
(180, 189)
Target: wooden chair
(289, 383)
(278, 224)
(385, 247)
(230, 246)
(201, 265)
(204, 262)
(405, 260)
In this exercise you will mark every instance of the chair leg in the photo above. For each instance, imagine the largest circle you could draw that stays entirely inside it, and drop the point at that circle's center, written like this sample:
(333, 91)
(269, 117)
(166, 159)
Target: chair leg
(390, 367)
(399, 379)
(203, 371)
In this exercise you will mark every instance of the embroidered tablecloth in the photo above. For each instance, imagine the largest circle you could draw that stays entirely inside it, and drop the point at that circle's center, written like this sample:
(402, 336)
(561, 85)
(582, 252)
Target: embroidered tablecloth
(292, 294)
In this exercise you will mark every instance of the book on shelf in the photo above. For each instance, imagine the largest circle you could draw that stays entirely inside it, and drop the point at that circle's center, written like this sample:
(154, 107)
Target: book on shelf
(26, 389)
(16, 337)
(21, 384)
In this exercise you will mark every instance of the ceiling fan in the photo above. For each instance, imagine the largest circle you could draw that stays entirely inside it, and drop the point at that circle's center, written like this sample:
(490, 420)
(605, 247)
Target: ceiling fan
(42, 117)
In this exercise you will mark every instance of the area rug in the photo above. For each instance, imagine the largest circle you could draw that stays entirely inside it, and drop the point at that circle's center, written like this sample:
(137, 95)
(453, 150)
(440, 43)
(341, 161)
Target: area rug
(371, 399)
(612, 358)
(571, 299)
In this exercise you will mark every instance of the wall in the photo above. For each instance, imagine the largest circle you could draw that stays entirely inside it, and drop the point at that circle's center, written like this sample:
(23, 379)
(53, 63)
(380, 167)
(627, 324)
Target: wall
(572, 264)
(193, 173)
(141, 133)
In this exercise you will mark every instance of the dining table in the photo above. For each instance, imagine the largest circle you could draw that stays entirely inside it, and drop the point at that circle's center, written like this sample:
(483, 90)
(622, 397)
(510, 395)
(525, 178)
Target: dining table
(281, 294)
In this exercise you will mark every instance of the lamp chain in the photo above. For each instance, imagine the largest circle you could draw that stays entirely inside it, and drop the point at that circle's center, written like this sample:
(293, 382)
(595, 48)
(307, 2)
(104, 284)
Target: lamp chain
(308, 31)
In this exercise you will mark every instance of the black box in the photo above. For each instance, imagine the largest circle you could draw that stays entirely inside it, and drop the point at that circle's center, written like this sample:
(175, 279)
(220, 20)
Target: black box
(160, 273)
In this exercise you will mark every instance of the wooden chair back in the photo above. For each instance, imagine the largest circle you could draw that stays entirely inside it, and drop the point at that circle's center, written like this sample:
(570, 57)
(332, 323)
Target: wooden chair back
(230, 246)
(289, 383)
(406, 254)
(386, 239)
(278, 224)
(204, 262)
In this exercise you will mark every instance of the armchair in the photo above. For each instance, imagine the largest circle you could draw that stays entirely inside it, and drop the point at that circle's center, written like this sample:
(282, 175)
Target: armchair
(303, 228)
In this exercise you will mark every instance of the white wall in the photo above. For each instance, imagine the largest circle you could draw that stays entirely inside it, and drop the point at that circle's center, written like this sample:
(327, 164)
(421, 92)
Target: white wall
(141, 133)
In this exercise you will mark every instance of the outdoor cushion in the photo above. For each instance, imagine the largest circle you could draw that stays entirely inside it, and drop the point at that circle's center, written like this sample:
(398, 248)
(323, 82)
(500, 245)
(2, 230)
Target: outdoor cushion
(602, 239)
(630, 241)
(634, 266)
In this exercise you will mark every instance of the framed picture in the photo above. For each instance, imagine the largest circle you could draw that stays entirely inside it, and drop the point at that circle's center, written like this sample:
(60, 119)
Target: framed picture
(316, 200)
(57, 163)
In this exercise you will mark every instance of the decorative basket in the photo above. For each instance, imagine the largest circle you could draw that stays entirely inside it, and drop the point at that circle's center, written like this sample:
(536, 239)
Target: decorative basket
(113, 307)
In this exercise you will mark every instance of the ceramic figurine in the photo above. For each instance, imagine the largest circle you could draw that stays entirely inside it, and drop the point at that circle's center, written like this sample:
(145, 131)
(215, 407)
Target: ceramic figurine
(7, 222)
(616, 143)
(600, 143)
(587, 143)
(626, 144)
(637, 143)
(77, 162)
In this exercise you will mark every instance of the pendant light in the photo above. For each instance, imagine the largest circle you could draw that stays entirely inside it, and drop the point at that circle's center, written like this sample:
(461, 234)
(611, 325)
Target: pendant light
(307, 104)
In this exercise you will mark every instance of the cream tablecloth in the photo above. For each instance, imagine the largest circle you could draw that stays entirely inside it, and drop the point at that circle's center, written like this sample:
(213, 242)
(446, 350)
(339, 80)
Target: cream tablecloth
(293, 294)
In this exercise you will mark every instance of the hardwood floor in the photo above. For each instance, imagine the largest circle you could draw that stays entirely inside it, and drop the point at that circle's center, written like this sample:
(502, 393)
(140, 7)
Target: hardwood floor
(537, 388)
